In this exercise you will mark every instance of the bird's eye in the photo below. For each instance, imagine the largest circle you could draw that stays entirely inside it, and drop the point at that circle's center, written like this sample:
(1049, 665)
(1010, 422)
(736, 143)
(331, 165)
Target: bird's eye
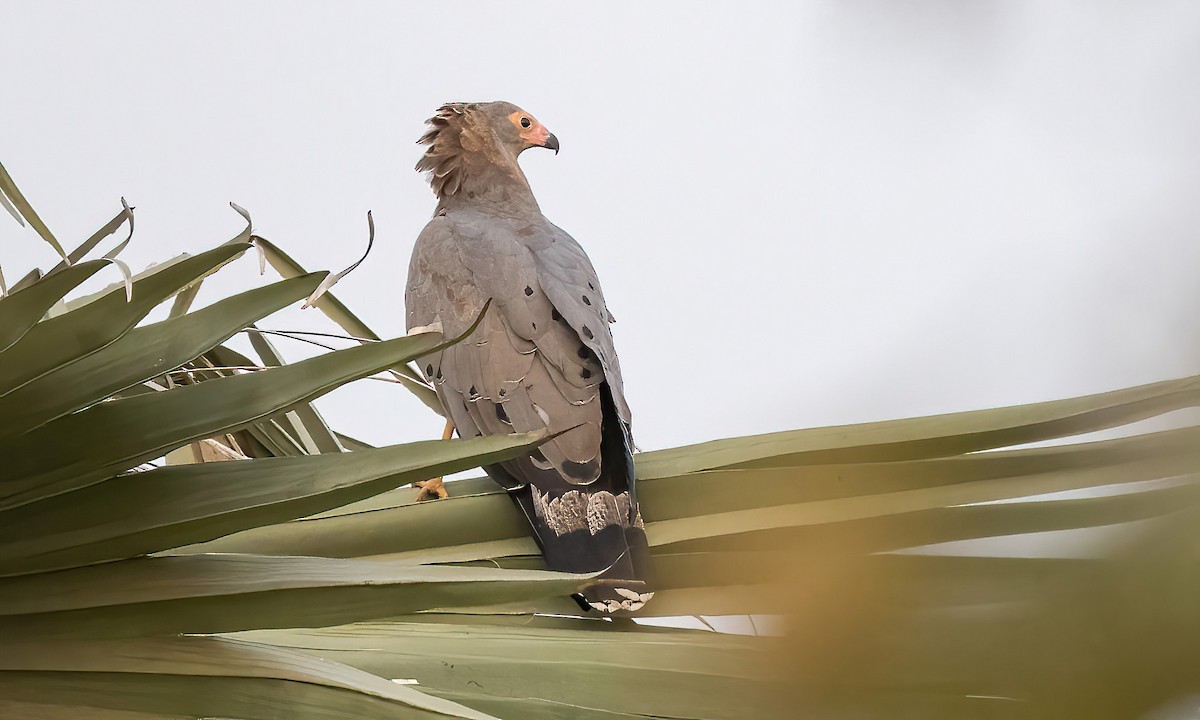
(525, 122)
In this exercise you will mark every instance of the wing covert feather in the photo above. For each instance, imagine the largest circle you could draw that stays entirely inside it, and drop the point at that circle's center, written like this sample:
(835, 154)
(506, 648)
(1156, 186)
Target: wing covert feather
(526, 367)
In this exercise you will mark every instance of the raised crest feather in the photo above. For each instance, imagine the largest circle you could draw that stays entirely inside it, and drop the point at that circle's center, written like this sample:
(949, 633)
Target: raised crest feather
(442, 162)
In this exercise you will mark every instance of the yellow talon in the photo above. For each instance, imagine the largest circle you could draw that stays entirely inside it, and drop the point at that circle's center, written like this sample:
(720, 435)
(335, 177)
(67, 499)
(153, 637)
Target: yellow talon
(433, 488)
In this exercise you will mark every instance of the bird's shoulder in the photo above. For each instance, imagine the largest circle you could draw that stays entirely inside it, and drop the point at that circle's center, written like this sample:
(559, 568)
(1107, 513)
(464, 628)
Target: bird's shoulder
(460, 260)
(541, 282)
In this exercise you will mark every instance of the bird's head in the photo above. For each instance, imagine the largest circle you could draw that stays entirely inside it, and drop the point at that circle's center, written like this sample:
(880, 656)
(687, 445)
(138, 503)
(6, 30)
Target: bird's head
(494, 132)
(517, 129)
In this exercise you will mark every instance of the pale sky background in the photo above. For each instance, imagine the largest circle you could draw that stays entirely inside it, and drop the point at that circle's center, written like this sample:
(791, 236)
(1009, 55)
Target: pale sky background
(803, 213)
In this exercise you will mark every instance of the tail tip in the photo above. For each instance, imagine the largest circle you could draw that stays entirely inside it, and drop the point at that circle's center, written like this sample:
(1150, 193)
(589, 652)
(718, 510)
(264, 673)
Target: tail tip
(627, 600)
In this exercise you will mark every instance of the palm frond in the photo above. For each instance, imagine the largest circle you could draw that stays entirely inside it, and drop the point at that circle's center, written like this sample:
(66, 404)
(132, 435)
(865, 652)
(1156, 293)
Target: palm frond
(274, 566)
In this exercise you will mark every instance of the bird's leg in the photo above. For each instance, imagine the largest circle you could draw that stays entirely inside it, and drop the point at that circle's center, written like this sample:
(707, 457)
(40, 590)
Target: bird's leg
(433, 487)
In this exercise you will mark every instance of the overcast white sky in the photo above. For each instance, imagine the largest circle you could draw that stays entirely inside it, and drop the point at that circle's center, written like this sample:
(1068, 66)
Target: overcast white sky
(803, 213)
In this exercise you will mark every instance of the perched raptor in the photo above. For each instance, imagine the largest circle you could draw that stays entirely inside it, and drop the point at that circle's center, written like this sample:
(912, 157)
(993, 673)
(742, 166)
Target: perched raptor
(543, 356)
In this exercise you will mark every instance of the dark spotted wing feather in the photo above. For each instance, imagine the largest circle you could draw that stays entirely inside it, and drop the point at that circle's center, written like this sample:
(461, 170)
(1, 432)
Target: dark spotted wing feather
(522, 369)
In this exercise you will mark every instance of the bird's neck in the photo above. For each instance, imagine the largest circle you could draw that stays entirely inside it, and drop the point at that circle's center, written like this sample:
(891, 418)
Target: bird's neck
(493, 182)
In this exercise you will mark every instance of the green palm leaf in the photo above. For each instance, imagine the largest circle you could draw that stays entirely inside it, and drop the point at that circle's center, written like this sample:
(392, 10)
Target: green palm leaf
(243, 588)
(201, 677)
(22, 310)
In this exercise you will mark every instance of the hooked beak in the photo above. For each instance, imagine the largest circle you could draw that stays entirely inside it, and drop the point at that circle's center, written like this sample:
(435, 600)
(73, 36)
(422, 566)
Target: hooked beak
(551, 143)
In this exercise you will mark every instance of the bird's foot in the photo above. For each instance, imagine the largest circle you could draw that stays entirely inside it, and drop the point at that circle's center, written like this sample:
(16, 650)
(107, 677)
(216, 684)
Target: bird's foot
(431, 489)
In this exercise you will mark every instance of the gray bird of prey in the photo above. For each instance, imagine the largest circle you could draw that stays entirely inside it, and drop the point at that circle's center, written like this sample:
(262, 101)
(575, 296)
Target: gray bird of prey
(543, 356)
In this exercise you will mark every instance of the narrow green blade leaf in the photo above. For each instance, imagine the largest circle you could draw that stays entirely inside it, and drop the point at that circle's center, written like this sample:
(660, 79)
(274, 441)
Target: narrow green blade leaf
(350, 443)
(114, 436)
(28, 279)
(948, 524)
(477, 521)
(328, 304)
(449, 522)
(716, 491)
(332, 280)
(537, 639)
(242, 239)
(348, 321)
(858, 508)
(270, 431)
(17, 200)
(141, 354)
(934, 436)
(145, 512)
(21, 310)
(7, 205)
(901, 580)
(66, 710)
(183, 301)
(86, 246)
(531, 708)
(661, 673)
(308, 423)
(206, 677)
(60, 340)
(225, 593)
